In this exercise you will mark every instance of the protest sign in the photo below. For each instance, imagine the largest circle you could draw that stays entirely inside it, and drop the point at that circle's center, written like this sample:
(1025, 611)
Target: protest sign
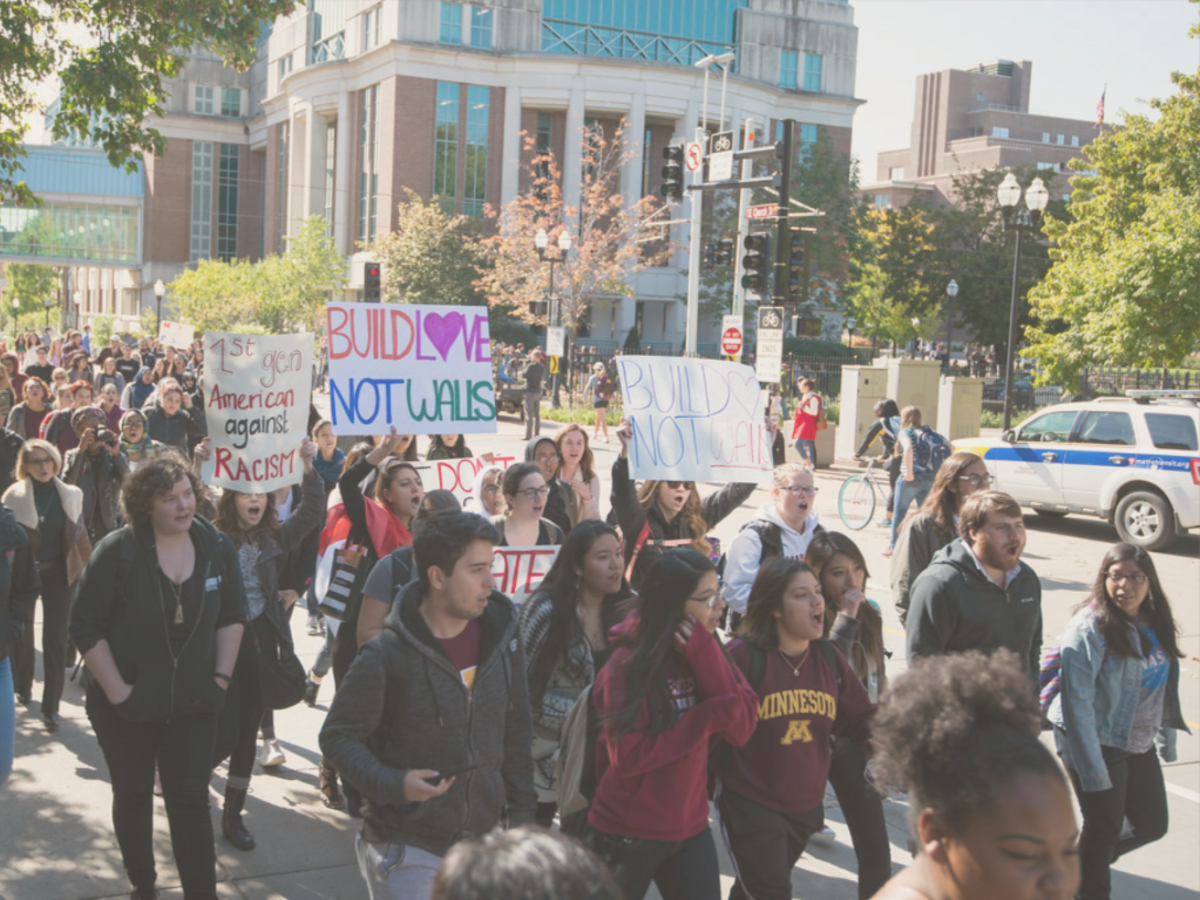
(423, 369)
(176, 334)
(519, 570)
(694, 419)
(458, 476)
(258, 389)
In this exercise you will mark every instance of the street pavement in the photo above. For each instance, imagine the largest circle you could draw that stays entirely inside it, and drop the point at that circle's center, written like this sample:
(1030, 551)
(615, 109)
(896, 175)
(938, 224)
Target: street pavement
(56, 840)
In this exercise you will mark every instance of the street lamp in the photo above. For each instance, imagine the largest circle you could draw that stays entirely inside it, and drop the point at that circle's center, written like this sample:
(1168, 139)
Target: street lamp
(850, 323)
(541, 241)
(1030, 220)
(951, 293)
(916, 324)
(76, 299)
(47, 305)
(159, 290)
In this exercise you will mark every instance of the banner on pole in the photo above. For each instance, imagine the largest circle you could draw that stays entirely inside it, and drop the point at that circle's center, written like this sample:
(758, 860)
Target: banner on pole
(519, 570)
(257, 390)
(423, 369)
(694, 419)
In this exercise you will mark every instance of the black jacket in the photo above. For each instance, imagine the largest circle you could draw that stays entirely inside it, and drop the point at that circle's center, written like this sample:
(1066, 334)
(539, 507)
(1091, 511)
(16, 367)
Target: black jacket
(19, 582)
(403, 705)
(119, 599)
(10, 447)
(100, 476)
(181, 430)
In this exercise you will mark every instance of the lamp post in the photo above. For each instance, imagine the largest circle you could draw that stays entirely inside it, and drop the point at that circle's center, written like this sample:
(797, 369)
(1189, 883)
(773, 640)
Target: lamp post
(916, 325)
(76, 299)
(850, 323)
(541, 241)
(1017, 220)
(159, 290)
(951, 293)
(16, 312)
(47, 305)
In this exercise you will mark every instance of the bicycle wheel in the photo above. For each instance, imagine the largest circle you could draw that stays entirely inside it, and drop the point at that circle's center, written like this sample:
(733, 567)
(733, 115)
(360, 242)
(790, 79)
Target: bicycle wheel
(856, 502)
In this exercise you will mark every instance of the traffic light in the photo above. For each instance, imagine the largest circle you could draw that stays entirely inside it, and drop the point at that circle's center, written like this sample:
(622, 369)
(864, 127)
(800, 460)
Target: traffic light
(795, 262)
(719, 253)
(672, 172)
(755, 263)
(371, 291)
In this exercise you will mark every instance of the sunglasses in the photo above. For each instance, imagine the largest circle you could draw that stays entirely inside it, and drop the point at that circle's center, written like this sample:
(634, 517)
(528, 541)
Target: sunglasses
(676, 485)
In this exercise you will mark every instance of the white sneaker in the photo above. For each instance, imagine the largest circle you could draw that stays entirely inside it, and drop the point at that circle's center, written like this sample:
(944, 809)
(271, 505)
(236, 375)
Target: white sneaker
(272, 755)
(824, 835)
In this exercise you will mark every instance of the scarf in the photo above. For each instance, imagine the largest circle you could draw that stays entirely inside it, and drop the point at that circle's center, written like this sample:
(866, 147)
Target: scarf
(330, 470)
(140, 447)
(385, 530)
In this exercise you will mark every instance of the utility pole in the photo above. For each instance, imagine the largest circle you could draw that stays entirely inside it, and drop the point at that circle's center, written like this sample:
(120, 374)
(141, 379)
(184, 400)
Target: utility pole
(739, 293)
(695, 251)
(782, 295)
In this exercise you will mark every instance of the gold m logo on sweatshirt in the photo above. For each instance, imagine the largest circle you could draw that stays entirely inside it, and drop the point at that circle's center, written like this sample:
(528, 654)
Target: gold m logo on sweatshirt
(798, 730)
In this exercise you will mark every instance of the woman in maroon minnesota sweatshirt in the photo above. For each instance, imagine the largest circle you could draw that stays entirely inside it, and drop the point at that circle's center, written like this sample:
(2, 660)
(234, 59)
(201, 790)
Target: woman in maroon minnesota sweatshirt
(772, 787)
(667, 690)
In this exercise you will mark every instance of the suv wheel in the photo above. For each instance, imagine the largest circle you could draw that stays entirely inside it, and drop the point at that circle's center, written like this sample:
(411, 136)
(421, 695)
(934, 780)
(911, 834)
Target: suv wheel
(1146, 520)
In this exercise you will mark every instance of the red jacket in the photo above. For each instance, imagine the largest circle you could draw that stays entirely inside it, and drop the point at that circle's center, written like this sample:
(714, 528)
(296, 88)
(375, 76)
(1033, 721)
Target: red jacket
(804, 425)
(654, 786)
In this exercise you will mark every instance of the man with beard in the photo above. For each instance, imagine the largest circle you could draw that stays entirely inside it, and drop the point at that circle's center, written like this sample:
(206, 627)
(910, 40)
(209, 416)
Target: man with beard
(977, 594)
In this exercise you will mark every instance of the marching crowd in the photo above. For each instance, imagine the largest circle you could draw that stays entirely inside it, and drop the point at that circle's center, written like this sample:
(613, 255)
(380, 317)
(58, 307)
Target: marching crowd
(648, 680)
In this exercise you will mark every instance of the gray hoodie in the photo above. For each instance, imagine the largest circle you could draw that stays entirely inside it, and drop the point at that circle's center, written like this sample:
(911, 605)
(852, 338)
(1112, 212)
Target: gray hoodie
(403, 705)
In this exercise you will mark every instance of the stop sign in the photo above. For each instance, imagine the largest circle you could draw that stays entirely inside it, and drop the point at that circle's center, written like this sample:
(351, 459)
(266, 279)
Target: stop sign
(731, 341)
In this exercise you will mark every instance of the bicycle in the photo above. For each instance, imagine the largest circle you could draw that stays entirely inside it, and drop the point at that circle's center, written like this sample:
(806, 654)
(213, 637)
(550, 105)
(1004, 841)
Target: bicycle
(859, 495)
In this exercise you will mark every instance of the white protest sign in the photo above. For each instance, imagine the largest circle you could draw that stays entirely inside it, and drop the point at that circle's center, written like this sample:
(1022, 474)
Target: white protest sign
(458, 476)
(519, 570)
(176, 334)
(423, 369)
(257, 390)
(694, 419)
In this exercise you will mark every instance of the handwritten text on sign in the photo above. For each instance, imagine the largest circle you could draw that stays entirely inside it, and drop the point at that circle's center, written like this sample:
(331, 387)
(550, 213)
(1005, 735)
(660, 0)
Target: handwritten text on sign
(459, 477)
(258, 390)
(176, 334)
(424, 369)
(694, 419)
(519, 570)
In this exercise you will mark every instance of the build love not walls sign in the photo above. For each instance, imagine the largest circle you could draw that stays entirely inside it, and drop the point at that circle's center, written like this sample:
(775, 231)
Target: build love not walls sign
(694, 419)
(423, 369)
(258, 390)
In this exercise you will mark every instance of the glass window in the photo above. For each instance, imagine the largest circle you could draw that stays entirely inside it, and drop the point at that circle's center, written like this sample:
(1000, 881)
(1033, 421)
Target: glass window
(202, 186)
(647, 157)
(203, 104)
(371, 27)
(284, 67)
(882, 202)
(1043, 166)
(896, 173)
(330, 167)
(1172, 432)
(450, 31)
(445, 141)
(1062, 139)
(789, 62)
(1045, 137)
(231, 102)
(1052, 427)
(979, 98)
(282, 187)
(808, 136)
(227, 202)
(1107, 428)
(812, 71)
(368, 174)
(545, 125)
(999, 131)
(475, 185)
(1074, 140)
(481, 27)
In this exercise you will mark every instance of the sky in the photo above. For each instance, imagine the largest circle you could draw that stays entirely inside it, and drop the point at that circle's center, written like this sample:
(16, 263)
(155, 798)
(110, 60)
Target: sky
(1076, 47)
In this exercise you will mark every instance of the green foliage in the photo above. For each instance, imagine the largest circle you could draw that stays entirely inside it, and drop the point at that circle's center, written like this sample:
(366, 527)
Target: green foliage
(102, 329)
(508, 328)
(582, 413)
(794, 346)
(112, 81)
(30, 284)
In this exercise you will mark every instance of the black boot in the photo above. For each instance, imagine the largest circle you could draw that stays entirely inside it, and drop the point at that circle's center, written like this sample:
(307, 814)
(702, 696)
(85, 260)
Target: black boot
(231, 820)
(149, 892)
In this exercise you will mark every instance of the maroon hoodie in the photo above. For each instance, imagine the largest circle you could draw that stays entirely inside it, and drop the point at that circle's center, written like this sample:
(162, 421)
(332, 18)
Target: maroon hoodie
(654, 786)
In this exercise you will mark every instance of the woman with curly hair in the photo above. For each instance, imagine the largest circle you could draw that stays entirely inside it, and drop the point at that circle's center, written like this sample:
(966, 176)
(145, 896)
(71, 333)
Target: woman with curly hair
(989, 807)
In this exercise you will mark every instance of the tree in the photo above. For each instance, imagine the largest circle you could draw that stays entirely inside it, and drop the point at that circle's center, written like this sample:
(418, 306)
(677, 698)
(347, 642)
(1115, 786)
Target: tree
(432, 257)
(30, 284)
(605, 231)
(1124, 287)
(112, 83)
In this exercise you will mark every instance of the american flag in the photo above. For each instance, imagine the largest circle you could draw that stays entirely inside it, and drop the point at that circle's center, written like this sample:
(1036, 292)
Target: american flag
(1100, 109)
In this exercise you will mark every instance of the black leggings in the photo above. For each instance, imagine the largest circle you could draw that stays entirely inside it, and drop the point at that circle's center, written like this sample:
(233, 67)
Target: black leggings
(1137, 794)
(893, 470)
(682, 870)
(863, 808)
(183, 751)
(56, 606)
(237, 725)
(764, 845)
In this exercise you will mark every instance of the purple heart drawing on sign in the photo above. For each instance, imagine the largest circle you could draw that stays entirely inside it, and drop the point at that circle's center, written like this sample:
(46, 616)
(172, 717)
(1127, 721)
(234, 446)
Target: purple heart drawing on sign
(443, 330)
(745, 391)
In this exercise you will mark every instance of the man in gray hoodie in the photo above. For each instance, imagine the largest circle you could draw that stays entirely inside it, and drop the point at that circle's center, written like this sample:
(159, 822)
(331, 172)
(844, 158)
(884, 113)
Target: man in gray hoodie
(431, 722)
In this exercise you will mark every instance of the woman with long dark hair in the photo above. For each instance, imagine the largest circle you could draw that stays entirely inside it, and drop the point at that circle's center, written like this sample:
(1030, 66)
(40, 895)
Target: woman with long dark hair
(855, 626)
(1118, 698)
(26, 417)
(666, 691)
(448, 446)
(564, 627)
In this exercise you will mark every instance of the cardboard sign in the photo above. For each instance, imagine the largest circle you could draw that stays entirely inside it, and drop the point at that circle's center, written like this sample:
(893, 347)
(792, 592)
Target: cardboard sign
(519, 570)
(176, 334)
(458, 477)
(423, 369)
(694, 419)
(257, 390)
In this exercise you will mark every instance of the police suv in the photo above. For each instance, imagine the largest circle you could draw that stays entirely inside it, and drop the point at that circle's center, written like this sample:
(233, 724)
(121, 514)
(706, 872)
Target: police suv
(1133, 461)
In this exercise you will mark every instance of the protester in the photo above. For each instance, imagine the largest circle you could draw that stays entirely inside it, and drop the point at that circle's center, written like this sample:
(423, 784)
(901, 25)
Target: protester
(533, 375)
(128, 365)
(80, 368)
(138, 391)
(108, 374)
(1118, 699)
(26, 417)
(56, 428)
(887, 428)
(330, 460)
(109, 403)
(98, 468)
(564, 627)
(989, 808)
(157, 685)
(171, 420)
(523, 523)
(935, 524)
(432, 720)
(448, 446)
(977, 594)
(19, 589)
(783, 527)
(601, 388)
(562, 503)
(576, 469)
(137, 446)
(51, 512)
(767, 820)
(16, 378)
(488, 492)
(805, 423)
(43, 368)
(8, 396)
(10, 451)
(665, 692)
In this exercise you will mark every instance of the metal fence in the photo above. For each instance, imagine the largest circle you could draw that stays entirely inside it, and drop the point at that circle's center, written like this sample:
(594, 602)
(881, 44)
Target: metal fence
(1111, 380)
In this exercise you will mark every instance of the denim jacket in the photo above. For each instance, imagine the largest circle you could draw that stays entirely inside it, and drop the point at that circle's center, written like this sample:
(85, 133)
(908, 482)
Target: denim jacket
(1099, 694)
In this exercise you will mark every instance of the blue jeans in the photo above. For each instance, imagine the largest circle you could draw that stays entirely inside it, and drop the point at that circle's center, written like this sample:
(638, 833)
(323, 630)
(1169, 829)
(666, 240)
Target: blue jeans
(906, 493)
(396, 871)
(8, 720)
(807, 450)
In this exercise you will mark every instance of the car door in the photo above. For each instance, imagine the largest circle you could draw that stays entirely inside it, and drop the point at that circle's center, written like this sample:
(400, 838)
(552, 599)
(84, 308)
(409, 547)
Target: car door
(1030, 468)
(1105, 440)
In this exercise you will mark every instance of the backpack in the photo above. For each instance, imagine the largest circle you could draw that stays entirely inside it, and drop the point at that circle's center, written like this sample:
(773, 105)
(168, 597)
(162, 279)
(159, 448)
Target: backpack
(1050, 676)
(771, 536)
(822, 422)
(930, 450)
(575, 768)
(605, 387)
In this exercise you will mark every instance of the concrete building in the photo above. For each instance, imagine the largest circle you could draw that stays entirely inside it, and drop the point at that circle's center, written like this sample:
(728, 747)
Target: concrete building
(352, 100)
(971, 119)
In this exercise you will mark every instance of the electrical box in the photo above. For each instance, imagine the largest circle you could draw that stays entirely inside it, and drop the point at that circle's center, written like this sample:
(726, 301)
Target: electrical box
(959, 407)
(862, 388)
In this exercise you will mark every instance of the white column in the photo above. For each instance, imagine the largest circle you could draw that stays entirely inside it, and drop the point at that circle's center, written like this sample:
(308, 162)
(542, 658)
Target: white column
(573, 149)
(625, 308)
(297, 171)
(342, 189)
(510, 172)
(314, 155)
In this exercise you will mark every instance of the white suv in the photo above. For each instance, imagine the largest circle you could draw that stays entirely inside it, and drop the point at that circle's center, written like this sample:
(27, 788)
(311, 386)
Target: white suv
(1133, 460)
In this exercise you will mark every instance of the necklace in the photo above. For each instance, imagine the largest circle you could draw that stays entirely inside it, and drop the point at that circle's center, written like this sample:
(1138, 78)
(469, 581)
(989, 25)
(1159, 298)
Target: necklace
(43, 511)
(796, 668)
(177, 590)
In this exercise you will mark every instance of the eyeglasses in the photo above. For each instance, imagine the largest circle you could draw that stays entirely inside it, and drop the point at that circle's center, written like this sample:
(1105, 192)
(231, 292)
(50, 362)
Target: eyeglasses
(39, 461)
(491, 489)
(976, 480)
(676, 485)
(801, 491)
(534, 493)
(1137, 579)
(717, 597)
